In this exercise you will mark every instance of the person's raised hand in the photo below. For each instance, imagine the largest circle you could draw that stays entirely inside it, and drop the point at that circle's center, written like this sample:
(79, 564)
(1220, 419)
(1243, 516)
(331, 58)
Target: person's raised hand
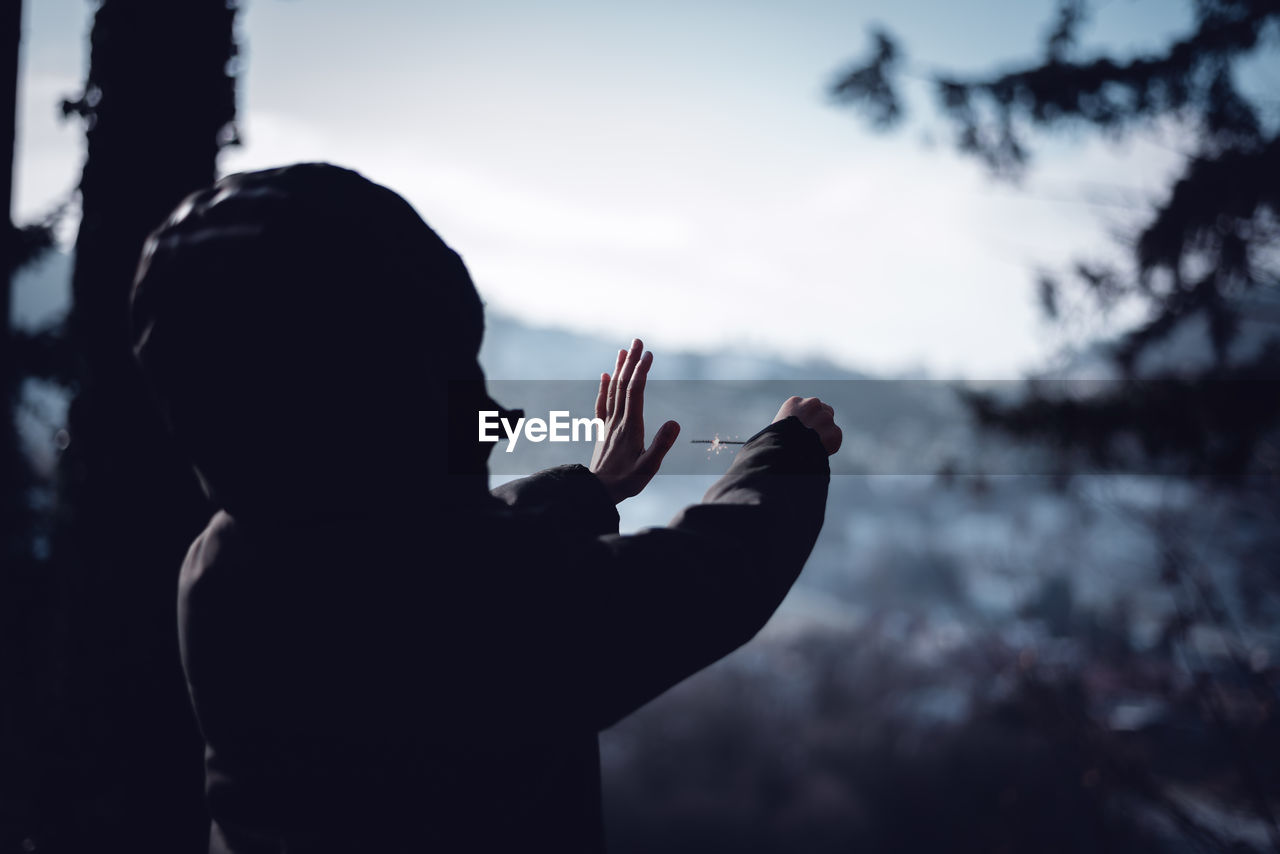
(621, 460)
(817, 415)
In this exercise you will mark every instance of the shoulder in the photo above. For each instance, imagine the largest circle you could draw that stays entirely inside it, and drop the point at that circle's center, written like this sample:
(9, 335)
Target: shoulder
(210, 554)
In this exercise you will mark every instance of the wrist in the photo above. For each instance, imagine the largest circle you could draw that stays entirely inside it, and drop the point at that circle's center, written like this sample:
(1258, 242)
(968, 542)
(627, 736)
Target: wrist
(611, 486)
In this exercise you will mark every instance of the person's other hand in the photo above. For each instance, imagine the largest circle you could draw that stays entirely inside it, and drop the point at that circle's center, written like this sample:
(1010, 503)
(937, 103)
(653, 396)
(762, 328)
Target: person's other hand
(621, 460)
(817, 415)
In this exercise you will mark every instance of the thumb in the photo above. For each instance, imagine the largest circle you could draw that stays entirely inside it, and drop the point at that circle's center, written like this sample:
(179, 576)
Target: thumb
(649, 462)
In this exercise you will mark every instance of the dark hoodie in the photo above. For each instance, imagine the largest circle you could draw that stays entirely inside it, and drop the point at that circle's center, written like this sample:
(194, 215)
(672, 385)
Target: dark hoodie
(382, 654)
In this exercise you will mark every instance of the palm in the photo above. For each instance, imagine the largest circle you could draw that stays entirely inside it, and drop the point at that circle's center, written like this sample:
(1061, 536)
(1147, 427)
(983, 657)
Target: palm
(620, 459)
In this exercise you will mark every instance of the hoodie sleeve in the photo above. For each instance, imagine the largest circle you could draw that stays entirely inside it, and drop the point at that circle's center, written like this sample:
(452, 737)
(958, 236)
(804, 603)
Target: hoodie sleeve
(645, 611)
(570, 498)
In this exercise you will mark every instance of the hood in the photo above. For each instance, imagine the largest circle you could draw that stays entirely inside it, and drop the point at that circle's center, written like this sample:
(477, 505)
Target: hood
(312, 344)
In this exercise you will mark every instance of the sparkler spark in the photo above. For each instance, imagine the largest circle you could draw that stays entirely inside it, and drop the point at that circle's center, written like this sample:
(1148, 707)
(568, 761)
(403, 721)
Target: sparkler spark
(717, 444)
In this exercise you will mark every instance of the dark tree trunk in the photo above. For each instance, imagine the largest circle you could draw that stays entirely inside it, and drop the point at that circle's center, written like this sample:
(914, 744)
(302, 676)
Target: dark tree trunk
(10, 38)
(159, 103)
(16, 564)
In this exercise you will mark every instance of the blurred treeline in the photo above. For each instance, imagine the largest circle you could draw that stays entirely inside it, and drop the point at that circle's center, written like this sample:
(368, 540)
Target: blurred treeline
(1144, 721)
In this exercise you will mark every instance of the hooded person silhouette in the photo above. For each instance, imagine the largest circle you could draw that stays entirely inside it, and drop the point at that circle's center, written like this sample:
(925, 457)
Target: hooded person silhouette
(381, 653)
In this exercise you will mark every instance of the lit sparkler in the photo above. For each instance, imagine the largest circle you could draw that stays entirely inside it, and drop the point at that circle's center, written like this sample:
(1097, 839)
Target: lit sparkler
(717, 444)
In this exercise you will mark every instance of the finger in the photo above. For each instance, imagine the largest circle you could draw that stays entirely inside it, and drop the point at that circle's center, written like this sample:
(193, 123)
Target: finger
(649, 462)
(628, 368)
(787, 409)
(613, 386)
(602, 397)
(633, 405)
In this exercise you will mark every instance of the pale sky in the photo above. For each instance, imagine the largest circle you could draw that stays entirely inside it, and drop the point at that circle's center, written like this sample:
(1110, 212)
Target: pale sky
(672, 170)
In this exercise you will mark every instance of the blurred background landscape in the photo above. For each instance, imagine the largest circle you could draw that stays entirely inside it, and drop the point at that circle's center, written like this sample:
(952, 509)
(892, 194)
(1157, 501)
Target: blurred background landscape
(1033, 245)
